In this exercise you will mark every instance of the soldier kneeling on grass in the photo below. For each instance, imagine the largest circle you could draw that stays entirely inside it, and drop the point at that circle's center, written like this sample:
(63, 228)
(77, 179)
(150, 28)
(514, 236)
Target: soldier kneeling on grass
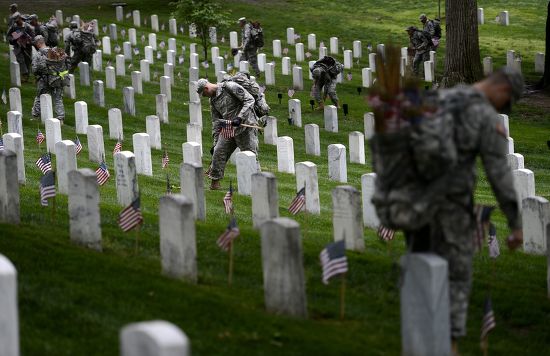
(232, 109)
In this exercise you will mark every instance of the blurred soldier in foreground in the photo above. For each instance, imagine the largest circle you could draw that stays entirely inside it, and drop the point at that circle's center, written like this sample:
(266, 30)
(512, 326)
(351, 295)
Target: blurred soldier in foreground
(421, 45)
(232, 113)
(324, 73)
(50, 67)
(20, 36)
(13, 10)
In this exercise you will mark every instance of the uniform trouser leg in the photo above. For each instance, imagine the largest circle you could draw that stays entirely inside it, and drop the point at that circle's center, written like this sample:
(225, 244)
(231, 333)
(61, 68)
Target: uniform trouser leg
(222, 151)
(317, 89)
(454, 242)
(21, 58)
(331, 91)
(416, 63)
(40, 89)
(251, 56)
(57, 97)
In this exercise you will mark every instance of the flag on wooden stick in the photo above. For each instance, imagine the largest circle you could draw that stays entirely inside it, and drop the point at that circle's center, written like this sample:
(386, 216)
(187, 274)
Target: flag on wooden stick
(165, 159)
(130, 216)
(228, 199)
(44, 163)
(298, 203)
(494, 249)
(40, 137)
(78, 145)
(385, 233)
(102, 173)
(333, 260)
(483, 217)
(488, 323)
(230, 234)
(47, 187)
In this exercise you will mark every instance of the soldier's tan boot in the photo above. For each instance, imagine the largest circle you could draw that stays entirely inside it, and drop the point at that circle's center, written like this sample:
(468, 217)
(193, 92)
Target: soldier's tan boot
(215, 185)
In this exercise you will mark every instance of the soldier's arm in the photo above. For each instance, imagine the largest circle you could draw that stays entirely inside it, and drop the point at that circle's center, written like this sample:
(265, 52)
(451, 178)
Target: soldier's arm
(242, 96)
(246, 36)
(493, 148)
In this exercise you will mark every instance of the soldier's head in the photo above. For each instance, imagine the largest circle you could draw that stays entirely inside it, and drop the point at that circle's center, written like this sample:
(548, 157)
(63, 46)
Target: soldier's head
(17, 18)
(39, 41)
(242, 21)
(423, 18)
(502, 88)
(317, 73)
(73, 25)
(410, 30)
(13, 8)
(205, 88)
(33, 20)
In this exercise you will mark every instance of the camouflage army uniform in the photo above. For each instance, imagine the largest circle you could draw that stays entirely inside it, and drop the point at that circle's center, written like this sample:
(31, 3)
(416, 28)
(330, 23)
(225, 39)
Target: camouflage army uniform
(40, 70)
(480, 133)
(78, 55)
(422, 46)
(325, 81)
(429, 27)
(231, 101)
(250, 52)
(22, 48)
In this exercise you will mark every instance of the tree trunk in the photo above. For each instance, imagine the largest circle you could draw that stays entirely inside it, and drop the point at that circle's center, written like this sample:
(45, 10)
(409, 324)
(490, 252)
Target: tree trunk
(545, 80)
(462, 58)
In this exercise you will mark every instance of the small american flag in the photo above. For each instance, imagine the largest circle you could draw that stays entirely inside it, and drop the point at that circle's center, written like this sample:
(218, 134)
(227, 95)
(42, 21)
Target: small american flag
(136, 51)
(290, 93)
(1, 143)
(227, 131)
(118, 147)
(385, 233)
(494, 249)
(40, 137)
(333, 260)
(230, 234)
(349, 76)
(130, 216)
(483, 216)
(488, 323)
(299, 201)
(44, 163)
(102, 174)
(228, 199)
(47, 187)
(285, 50)
(78, 146)
(165, 159)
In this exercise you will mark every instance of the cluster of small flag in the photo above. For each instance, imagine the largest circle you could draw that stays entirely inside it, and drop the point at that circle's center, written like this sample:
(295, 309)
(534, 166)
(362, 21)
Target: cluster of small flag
(230, 234)
(333, 260)
(227, 130)
(131, 216)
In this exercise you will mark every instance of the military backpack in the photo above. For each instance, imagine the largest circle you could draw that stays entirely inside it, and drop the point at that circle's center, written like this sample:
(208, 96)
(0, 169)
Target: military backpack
(253, 88)
(85, 41)
(257, 35)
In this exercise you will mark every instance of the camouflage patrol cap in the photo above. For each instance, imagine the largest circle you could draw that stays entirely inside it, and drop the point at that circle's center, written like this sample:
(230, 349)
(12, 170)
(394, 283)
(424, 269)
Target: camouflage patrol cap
(422, 17)
(33, 17)
(73, 24)
(38, 38)
(13, 6)
(241, 19)
(201, 84)
(411, 28)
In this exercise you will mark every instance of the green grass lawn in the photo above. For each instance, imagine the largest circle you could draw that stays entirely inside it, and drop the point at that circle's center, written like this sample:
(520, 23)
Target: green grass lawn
(73, 301)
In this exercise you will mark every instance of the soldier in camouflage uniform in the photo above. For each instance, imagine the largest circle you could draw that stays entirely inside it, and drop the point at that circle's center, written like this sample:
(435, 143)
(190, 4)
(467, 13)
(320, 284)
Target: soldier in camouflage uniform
(20, 36)
(42, 72)
(324, 73)
(421, 46)
(13, 10)
(82, 51)
(229, 101)
(480, 133)
(250, 51)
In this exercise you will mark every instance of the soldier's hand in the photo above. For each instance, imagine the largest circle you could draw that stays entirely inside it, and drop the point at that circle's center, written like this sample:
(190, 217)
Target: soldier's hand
(515, 240)
(236, 122)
